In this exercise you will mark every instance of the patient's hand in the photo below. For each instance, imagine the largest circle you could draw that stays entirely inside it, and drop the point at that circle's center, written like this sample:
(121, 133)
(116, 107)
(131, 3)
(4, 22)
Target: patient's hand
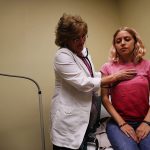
(142, 131)
(129, 131)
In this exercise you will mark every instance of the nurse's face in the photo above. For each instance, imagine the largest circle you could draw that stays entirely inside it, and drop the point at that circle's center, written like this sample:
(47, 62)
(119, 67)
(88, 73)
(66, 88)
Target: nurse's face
(77, 45)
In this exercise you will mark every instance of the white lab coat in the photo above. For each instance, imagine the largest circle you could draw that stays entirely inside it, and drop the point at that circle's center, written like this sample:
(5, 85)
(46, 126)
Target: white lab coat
(71, 103)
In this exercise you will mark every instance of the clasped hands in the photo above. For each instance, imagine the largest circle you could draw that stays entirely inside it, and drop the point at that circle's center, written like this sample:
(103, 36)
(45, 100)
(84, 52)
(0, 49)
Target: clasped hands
(140, 133)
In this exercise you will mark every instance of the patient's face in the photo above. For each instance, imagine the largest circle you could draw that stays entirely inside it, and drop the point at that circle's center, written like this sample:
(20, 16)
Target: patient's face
(124, 44)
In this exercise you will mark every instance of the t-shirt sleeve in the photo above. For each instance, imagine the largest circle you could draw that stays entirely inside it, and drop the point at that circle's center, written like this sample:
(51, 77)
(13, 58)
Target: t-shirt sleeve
(105, 69)
(149, 72)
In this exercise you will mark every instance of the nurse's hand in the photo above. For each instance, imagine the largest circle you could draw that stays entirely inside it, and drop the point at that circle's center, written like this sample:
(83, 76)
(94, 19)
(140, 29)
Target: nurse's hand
(118, 76)
(125, 74)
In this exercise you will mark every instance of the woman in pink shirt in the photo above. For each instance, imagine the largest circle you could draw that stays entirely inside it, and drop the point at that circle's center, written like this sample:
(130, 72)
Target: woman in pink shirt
(129, 127)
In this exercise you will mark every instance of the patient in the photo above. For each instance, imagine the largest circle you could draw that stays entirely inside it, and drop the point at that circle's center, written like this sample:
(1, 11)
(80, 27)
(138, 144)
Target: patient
(129, 127)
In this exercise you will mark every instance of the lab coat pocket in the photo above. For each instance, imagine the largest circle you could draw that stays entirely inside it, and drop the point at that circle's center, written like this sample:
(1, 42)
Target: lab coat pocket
(67, 119)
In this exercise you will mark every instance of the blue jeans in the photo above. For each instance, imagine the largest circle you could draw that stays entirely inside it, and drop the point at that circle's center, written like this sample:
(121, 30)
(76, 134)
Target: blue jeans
(120, 141)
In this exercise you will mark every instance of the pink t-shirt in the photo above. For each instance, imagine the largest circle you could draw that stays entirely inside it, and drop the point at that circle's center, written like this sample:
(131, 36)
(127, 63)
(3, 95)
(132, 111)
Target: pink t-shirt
(130, 98)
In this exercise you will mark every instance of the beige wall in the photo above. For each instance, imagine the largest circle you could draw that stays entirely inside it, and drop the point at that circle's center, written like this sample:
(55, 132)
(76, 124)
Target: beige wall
(27, 48)
(136, 13)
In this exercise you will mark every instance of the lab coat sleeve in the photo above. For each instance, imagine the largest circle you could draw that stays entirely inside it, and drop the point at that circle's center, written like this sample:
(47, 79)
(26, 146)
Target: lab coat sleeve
(70, 71)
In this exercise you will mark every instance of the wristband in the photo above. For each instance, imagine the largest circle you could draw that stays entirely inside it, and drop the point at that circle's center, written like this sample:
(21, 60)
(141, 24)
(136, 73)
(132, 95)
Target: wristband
(122, 125)
(146, 122)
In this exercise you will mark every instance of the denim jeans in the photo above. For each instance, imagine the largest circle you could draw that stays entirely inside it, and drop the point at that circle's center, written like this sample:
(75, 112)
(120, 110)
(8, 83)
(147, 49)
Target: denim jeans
(120, 141)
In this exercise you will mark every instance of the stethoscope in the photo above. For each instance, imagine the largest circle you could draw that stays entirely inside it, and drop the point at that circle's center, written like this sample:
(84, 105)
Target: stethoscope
(88, 61)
